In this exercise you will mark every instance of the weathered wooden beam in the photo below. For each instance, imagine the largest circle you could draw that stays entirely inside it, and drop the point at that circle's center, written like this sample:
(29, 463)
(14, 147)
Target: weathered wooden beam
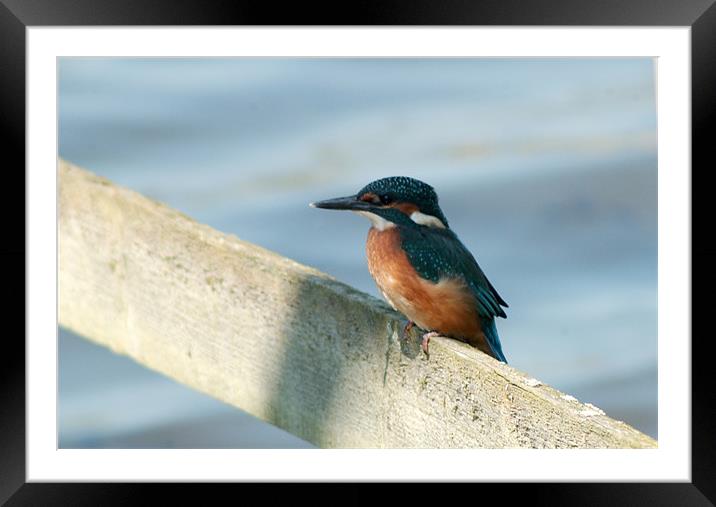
(287, 343)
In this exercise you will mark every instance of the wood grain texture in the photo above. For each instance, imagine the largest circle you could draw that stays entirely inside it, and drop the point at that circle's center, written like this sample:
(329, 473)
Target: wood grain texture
(287, 343)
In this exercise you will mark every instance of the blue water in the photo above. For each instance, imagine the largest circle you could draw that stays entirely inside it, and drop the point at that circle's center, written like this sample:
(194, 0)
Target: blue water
(546, 169)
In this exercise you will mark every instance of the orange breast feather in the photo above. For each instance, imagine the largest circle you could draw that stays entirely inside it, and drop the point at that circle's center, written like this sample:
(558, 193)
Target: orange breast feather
(447, 307)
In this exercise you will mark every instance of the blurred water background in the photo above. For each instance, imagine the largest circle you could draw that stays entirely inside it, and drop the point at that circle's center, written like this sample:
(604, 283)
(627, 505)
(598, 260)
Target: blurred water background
(546, 168)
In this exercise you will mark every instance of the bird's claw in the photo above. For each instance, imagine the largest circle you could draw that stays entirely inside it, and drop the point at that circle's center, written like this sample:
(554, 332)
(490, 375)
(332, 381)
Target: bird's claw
(407, 329)
(426, 341)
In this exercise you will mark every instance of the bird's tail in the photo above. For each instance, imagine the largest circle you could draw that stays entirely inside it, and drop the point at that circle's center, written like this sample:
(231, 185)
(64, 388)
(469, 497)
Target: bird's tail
(493, 340)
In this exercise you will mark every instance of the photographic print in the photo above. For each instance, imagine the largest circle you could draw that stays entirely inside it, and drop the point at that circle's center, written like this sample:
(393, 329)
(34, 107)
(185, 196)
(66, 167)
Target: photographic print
(213, 326)
(501, 294)
(472, 298)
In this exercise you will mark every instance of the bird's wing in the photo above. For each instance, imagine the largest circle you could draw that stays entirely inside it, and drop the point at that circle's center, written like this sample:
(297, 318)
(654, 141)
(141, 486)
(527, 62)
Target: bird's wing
(438, 253)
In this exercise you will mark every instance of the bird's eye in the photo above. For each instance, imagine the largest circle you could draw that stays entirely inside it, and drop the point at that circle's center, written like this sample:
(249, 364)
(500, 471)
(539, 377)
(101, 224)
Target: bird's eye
(385, 199)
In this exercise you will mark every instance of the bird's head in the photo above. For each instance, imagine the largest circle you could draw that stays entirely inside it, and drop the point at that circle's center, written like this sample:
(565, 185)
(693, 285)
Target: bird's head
(390, 201)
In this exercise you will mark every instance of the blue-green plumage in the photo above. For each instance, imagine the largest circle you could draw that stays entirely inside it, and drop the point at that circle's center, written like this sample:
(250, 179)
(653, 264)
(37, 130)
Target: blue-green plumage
(432, 249)
(438, 253)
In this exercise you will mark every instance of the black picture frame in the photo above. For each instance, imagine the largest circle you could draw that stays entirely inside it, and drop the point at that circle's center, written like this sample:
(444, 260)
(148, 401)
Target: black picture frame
(700, 15)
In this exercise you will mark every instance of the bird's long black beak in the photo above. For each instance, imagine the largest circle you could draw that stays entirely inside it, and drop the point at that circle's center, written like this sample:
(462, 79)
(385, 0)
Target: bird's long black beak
(350, 203)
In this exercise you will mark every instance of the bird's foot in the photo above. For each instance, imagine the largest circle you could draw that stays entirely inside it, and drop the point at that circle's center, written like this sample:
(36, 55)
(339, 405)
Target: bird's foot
(426, 341)
(407, 329)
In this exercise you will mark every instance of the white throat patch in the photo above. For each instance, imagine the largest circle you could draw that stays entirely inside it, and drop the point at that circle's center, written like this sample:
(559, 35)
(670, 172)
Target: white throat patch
(428, 220)
(378, 222)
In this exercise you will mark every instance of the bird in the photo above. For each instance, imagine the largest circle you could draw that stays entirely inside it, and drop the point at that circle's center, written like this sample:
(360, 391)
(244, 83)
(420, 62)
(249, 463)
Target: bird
(421, 267)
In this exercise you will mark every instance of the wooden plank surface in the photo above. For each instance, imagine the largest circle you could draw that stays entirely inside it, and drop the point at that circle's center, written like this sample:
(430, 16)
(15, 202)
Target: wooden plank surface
(287, 343)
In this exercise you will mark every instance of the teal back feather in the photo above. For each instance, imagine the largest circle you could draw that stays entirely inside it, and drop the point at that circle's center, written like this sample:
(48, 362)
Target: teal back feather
(490, 330)
(438, 253)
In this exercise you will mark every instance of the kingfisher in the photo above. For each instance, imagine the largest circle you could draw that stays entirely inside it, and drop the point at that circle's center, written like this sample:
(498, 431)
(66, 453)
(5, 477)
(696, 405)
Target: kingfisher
(420, 265)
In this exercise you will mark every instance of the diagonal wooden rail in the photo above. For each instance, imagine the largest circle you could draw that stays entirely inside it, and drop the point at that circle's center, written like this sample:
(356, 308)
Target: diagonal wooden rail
(287, 343)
